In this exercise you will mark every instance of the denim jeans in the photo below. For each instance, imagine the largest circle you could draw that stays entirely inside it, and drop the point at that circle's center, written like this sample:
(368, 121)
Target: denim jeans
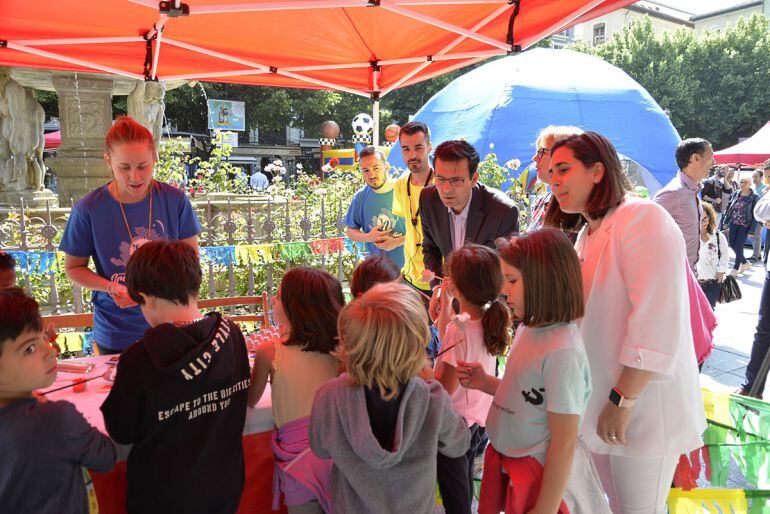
(736, 239)
(761, 339)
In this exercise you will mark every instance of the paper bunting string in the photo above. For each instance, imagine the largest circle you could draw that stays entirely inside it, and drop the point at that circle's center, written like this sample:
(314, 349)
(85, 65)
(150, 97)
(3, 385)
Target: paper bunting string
(295, 251)
(354, 247)
(327, 246)
(34, 263)
(256, 254)
(41, 263)
(738, 430)
(692, 502)
(222, 255)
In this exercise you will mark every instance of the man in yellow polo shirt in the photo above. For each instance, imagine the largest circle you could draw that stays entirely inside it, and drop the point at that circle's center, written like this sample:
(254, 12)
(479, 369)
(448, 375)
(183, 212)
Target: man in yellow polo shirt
(414, 138)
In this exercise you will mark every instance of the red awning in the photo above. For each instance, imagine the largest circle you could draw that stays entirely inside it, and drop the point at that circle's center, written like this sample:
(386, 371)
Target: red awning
(359, 46)
(754, 150)
(53, 140)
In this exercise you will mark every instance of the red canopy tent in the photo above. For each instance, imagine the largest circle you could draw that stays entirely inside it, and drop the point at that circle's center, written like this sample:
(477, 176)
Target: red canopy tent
(365, 47)
(52, 140)
(754, 150)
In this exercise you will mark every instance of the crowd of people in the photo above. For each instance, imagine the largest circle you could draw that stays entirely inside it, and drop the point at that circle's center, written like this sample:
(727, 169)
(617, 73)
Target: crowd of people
(566, 354)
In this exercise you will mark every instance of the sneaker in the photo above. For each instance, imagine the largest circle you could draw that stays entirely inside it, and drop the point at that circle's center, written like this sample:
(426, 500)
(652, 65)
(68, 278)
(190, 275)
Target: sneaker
(733, 272)
(743, 268)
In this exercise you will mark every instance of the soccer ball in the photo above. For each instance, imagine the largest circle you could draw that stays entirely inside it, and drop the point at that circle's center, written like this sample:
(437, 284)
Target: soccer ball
(363, 124)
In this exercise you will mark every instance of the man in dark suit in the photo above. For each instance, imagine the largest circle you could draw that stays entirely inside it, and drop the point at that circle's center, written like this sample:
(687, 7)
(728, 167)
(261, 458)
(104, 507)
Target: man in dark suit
(458, 209)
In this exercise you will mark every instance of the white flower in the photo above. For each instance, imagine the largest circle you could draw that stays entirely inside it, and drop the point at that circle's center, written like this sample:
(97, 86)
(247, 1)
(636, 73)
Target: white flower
(491, 146)
(299, 166)
(513, 164)
(277, 178)
(461, 320)
(320, 191)
(278, 162)
(326, 168)
(429, 276)
(269, 168)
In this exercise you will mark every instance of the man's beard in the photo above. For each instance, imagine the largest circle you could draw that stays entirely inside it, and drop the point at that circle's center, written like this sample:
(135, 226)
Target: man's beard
(420, 169)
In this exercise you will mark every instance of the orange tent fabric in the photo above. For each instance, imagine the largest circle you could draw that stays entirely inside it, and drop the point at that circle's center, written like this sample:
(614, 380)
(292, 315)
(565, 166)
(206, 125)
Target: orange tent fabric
(360, 46)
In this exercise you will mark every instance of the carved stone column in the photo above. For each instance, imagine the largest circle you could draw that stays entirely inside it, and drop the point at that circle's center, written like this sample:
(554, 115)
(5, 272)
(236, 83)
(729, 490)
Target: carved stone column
(85, 112)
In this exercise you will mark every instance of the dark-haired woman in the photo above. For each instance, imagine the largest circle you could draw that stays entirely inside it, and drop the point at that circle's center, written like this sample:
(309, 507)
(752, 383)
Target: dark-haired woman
(713, 256)
(111, 222)
(305, 308)
(740, 218)
(646, 407)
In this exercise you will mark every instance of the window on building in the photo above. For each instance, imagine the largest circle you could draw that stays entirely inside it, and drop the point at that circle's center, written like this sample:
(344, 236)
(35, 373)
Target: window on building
(599, 29)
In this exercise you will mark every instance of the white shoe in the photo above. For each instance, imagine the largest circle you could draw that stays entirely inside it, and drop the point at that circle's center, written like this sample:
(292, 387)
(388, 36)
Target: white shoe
(744, 267)
(733, 273)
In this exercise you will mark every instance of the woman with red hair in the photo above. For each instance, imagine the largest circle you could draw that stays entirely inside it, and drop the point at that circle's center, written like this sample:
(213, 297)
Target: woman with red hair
(110, 223)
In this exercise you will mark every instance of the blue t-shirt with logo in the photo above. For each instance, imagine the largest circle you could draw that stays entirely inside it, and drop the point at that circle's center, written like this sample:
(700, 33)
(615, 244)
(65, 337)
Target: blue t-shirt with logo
(370, 209)
(96, 229)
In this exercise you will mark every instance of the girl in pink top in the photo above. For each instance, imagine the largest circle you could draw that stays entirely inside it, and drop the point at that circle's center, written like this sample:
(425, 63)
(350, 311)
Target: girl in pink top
(479, 334)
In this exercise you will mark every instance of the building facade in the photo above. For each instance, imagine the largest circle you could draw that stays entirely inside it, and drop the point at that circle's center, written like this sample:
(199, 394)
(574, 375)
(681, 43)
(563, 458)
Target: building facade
(729, 16)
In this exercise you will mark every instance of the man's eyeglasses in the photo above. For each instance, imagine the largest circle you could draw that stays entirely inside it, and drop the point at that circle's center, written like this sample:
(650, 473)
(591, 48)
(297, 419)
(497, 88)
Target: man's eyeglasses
(540, 153)
(454, 182)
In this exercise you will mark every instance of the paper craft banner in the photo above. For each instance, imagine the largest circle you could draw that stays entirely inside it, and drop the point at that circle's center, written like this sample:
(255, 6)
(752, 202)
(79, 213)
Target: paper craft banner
(354, 247)
(256, 254)
(295, 251)
(739, 429)
(34, 263)
(223, 255)
(705, 501)
(327, 246)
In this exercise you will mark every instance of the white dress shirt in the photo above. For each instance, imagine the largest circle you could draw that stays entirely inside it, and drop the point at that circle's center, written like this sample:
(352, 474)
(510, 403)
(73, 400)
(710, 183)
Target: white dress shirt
(459, 222)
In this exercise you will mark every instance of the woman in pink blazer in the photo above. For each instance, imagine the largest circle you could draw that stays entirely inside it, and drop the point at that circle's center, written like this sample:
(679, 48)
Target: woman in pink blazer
(646, 407)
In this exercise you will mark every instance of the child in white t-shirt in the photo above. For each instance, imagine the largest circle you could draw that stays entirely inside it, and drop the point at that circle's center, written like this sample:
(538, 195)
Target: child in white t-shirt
(479, 334)
(538, 404)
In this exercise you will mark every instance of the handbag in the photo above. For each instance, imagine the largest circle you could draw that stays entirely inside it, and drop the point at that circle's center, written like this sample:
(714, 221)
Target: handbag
(730, 290)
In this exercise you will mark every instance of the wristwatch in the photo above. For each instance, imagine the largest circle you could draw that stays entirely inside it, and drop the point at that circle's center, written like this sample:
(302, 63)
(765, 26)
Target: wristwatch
(617, 398)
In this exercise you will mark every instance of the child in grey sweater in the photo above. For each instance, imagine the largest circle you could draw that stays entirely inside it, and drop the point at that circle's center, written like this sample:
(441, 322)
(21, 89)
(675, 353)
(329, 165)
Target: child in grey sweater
(380, 423)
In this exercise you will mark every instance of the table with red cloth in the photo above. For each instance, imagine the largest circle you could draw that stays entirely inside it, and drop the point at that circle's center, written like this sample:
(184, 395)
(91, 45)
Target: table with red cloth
(111, 487)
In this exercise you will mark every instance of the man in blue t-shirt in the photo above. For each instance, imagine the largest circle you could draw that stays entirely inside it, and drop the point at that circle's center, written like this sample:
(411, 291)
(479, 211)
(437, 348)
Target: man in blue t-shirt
(370, 217)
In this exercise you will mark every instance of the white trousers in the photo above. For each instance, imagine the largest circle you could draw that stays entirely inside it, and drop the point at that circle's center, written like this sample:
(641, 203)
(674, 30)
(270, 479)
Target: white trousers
(636, 486)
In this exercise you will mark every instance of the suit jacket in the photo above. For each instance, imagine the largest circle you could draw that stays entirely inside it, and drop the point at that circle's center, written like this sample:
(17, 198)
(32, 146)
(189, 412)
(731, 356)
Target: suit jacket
(638, 315)
(491, 215)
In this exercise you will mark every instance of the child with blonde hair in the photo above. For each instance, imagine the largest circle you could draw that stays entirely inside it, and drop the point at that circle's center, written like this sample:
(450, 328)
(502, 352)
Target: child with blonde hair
(535, 462)
(380, 423)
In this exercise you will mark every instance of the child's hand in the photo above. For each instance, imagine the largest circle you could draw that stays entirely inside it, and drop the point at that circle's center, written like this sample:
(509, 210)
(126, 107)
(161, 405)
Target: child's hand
(471, 375)
(434, 306)
(426, 373)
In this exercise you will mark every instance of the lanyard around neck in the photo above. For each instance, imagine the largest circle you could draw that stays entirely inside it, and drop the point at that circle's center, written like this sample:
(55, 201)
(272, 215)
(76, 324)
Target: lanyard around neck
(416, 214)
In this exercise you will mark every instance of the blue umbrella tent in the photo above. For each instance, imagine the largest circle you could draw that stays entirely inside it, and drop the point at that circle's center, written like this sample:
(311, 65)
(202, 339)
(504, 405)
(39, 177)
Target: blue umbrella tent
(506, 102)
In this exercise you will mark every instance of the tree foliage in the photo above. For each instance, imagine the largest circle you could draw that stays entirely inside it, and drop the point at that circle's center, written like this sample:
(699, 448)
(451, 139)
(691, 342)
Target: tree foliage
(716, 85)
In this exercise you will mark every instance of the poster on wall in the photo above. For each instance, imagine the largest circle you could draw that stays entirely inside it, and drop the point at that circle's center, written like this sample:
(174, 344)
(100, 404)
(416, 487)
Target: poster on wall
(227, 115)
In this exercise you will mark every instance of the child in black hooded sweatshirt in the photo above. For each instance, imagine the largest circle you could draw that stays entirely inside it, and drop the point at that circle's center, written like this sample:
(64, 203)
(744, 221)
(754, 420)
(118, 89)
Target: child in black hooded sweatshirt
(180, 392)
